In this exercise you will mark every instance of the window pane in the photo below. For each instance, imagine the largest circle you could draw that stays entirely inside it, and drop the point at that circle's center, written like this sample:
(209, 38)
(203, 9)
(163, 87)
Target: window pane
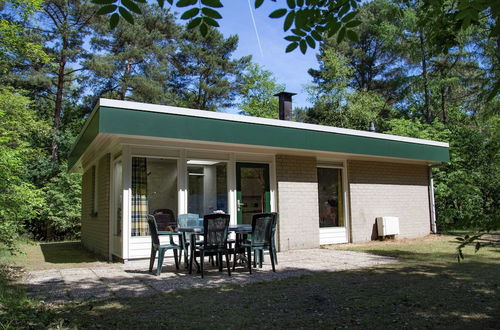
(154, 191)
(207, 187)
(253, 192)
(330, 197)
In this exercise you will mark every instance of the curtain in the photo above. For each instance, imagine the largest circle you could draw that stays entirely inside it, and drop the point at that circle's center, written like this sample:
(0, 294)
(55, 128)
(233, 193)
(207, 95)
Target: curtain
(139, 197)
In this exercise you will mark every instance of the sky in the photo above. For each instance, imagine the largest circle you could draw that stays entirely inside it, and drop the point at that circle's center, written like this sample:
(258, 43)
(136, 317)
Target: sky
(288, 68)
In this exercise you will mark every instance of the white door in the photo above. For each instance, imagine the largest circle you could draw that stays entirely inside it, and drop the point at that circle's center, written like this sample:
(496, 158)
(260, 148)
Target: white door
(332, 219)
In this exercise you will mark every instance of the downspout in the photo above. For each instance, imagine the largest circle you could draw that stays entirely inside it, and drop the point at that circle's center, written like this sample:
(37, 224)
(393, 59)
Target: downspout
(432, 204)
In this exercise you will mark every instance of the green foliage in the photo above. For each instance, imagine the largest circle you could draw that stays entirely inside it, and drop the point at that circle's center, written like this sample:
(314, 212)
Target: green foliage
(19, 199)
(257, 93)
(62, 205)
(335, 103)
(131, 62)
(205, 75)
(16, 44)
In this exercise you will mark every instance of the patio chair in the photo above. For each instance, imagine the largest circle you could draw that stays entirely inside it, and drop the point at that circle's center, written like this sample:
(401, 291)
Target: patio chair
(185, 221)
(164, 218)
(156, 247)
(215, 230)
(258, 257)
(262, 238)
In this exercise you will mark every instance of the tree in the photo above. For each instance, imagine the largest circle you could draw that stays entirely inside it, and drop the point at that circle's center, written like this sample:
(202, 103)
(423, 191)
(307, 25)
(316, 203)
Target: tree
(133, 61)
(205, 75)
(16, 45)
(370, 56)
(19, 199)
(64, 25)
(257, 93)
(335, 102)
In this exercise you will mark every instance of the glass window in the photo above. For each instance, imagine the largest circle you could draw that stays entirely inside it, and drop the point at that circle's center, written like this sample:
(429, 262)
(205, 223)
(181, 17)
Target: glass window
(253, 188)
(330, 197)
(154, 191)
(207, 186)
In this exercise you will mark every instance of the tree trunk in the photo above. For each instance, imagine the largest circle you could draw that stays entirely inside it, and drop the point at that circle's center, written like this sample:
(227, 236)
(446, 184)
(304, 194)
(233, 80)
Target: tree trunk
(128, 68)
(427, 108)
(444, 114)
(59, 97)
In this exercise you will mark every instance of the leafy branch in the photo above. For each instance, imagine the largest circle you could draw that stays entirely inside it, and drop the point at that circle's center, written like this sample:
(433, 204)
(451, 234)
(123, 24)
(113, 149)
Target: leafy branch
(476, 241)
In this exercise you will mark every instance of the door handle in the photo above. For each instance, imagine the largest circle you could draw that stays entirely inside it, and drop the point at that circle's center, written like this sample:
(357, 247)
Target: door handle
(240, 204)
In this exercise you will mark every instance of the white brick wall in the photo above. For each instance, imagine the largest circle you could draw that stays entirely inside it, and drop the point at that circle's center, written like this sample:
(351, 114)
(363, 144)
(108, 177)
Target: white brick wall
(388, 189)
(297, 202)
(95, 229)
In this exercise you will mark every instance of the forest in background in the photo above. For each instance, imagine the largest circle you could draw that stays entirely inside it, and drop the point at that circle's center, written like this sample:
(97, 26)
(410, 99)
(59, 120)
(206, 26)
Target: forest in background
(57, 57)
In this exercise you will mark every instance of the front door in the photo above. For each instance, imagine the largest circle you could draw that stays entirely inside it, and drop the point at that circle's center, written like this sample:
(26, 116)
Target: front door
(332, 226)
(253, 194)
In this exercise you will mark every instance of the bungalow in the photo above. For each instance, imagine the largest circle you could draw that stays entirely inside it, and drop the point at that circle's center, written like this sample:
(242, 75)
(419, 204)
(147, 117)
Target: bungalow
(328, 184)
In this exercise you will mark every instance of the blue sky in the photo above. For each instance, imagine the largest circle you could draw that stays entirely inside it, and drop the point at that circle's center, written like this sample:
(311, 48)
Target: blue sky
(289, 69)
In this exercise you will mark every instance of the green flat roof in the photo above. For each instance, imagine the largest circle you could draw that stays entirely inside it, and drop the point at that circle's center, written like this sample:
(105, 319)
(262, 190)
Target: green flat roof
(139, 119)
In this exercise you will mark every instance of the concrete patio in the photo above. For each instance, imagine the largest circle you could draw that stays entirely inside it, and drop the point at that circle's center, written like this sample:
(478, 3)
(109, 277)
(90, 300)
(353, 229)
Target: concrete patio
(134, 280)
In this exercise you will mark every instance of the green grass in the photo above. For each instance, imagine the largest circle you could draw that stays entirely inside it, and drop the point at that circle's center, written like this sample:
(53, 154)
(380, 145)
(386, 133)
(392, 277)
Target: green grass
(53, 255)
(426, 289)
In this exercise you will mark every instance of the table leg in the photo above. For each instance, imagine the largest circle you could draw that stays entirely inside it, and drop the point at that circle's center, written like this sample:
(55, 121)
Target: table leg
(184, 250)
(192, 253)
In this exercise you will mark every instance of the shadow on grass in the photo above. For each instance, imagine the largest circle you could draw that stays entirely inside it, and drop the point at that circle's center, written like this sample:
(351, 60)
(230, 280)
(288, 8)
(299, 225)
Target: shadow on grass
(430, 291)
(67, 252)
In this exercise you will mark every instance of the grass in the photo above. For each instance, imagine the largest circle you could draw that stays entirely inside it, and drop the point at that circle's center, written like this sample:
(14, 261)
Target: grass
(426, 289)
(53, 255)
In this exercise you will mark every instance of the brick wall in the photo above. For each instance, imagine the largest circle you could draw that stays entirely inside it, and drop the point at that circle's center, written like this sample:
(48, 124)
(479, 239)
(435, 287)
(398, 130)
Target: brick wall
(95, 228)
(297, 202)
(388, 189)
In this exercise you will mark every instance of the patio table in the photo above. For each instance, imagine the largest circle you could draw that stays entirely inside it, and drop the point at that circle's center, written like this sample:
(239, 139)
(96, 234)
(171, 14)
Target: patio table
(198, 230)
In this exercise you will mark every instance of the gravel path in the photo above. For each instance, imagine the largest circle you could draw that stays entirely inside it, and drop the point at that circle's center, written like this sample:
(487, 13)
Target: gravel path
(132, 279)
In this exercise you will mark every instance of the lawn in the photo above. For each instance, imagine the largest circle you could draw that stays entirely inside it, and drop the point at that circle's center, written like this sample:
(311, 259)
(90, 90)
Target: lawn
(56, 255)
(426, 289)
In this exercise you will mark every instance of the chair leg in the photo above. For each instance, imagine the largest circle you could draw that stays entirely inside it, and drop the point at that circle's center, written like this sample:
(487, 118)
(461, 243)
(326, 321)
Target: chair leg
(191, 262)
(234, 259)
(152, 259)
(176, 259)
(219, 261)
(161, 255)
(272, 256)
(185, 249)
(227, 263)
(249, 251)
(202, 259)
(261, 257)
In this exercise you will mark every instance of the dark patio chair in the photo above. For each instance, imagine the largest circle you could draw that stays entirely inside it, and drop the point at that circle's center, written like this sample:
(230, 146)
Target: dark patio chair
(156, 247)
(215, 230)
(164, 218)
(261, 239)
(260, 256)
(185, 221)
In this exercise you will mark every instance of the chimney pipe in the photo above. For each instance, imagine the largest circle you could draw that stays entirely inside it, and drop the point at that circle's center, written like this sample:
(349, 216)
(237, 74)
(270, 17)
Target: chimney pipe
(285, 102)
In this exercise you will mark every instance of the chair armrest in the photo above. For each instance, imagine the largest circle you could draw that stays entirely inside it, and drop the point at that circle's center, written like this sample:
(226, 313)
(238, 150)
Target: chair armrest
(171, 233)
